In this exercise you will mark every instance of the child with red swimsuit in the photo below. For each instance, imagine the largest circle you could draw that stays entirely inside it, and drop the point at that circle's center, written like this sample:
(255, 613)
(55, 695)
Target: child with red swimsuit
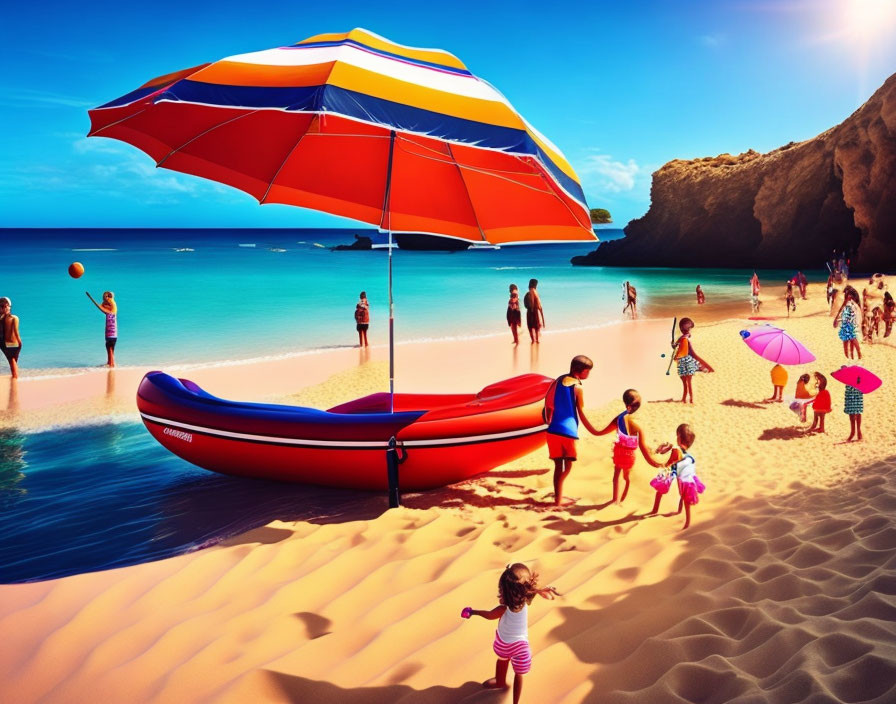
(629, 438)
(821, 406)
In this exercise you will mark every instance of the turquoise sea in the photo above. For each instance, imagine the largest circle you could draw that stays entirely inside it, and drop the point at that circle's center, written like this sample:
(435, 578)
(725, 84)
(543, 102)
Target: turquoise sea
(106, 495)
(246, 294)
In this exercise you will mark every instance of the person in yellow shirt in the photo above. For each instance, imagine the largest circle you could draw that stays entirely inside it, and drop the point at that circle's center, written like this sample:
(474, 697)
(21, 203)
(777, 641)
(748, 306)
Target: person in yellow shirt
(779, 381)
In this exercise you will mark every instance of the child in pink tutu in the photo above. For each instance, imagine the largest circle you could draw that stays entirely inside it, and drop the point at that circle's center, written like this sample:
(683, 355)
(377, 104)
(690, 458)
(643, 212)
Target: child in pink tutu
(629, 439)
(517, 587)
(682, 469)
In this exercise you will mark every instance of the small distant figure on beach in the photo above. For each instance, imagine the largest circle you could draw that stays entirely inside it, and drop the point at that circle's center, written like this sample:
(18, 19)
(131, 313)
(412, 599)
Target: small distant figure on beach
(847, 318)
(701, 299)
(682, 469)
(629, 438)
(109, 308)
(788, 298)
(803, 396)
(779, 381)
(889, 314)
(534, 312)
(689, 363)
(10, 339)
(821, 406)
(872, 298)
(802, 282)
(517, 588)
(564, 407)
(854, 406)
(362, 319)
(514, 317)
(631, 300)
(755, 287)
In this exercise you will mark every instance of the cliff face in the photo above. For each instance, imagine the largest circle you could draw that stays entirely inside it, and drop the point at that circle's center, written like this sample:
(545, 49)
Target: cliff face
(787, 208)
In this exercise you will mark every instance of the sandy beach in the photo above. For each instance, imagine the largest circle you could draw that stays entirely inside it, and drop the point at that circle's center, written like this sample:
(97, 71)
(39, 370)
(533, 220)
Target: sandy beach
(780, 591)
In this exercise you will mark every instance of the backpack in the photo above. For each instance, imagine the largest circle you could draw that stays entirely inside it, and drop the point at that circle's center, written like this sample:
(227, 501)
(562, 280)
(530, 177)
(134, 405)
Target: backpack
(527, 300)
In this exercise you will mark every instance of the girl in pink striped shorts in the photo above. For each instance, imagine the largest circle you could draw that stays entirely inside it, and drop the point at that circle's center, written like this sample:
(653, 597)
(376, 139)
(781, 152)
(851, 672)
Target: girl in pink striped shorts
(517, 587)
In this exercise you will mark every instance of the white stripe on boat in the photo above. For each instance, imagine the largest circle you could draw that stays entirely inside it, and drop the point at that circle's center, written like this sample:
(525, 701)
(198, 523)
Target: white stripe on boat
(353, 444)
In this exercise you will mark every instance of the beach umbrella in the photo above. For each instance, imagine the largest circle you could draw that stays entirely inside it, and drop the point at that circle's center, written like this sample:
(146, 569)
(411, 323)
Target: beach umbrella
(776, 345)
(859, 377)
(352, 124)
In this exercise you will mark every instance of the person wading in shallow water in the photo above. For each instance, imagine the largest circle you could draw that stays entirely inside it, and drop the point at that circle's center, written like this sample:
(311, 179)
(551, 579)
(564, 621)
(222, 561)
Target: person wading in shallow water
(10, 340)
(534, 312)
(631, 299)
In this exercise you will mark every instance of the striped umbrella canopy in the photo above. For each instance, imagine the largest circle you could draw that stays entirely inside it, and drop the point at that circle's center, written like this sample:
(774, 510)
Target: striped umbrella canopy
(355, 125)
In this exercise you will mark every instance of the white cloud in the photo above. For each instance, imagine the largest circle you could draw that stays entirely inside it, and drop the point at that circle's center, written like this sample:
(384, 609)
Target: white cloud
(602, 171)
(27, 97)
(713, 41)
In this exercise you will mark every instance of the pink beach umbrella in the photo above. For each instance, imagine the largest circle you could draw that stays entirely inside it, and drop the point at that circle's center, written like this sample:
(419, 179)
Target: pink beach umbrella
(775, 345)
(859, 377)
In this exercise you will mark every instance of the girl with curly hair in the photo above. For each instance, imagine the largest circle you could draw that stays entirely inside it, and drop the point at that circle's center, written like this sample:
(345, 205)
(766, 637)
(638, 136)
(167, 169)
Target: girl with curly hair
(517, 587)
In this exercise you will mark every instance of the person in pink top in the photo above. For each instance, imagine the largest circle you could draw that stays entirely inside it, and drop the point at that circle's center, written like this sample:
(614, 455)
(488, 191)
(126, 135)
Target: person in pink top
(109, 308)
(517, 588)
(629, 439)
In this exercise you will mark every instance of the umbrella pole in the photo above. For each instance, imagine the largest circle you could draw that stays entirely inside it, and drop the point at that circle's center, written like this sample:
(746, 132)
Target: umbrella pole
(392, 456)
(387, 219)
(391, 335)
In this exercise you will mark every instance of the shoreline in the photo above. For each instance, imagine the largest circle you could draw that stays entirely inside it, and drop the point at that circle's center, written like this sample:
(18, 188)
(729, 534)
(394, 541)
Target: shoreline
(85, 395)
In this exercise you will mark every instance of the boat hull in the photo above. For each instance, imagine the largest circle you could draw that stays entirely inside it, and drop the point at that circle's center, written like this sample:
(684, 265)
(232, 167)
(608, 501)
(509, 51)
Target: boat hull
(458, 437)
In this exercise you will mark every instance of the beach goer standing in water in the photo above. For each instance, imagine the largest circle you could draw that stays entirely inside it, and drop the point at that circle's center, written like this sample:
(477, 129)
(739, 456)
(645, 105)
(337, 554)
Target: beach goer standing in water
(10, 339)
(362, 319)
(517, 588)
(688, 361)
(109, 308)
(701, 299)
(631, 300)
(534, 312)
(683, 471)
(821, 406)
(629, 438)
(846, 319)
(514, 317)
(564, 407)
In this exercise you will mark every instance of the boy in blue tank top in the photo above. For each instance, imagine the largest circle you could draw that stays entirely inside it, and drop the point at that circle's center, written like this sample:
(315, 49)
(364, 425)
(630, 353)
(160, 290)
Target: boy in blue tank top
(564, 407)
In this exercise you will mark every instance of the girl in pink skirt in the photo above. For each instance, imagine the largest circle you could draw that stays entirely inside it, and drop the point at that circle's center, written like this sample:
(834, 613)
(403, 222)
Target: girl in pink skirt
(629, 440)
(517, 587)
(682, 470)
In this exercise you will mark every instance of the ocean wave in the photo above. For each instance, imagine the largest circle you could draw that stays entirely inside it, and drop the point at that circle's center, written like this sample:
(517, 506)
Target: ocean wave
(94, 249)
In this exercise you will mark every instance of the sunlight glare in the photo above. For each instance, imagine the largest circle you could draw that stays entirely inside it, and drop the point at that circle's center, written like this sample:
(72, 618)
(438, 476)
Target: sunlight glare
(869, 20)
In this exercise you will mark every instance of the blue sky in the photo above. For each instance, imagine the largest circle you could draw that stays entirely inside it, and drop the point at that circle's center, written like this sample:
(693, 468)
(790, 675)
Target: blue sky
(621, 90)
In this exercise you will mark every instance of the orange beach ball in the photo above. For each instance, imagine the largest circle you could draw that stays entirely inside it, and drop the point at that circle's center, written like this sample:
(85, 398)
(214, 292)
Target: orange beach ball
(75, 270)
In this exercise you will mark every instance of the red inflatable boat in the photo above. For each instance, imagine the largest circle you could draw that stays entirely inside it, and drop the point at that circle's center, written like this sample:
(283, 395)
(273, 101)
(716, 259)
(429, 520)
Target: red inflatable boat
(442, 438)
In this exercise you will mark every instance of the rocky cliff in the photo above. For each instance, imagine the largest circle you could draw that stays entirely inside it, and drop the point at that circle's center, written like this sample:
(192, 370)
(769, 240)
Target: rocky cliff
(787, 208)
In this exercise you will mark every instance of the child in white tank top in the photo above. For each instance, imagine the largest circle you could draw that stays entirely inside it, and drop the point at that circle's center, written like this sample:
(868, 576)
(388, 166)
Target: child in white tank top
(517, 587)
